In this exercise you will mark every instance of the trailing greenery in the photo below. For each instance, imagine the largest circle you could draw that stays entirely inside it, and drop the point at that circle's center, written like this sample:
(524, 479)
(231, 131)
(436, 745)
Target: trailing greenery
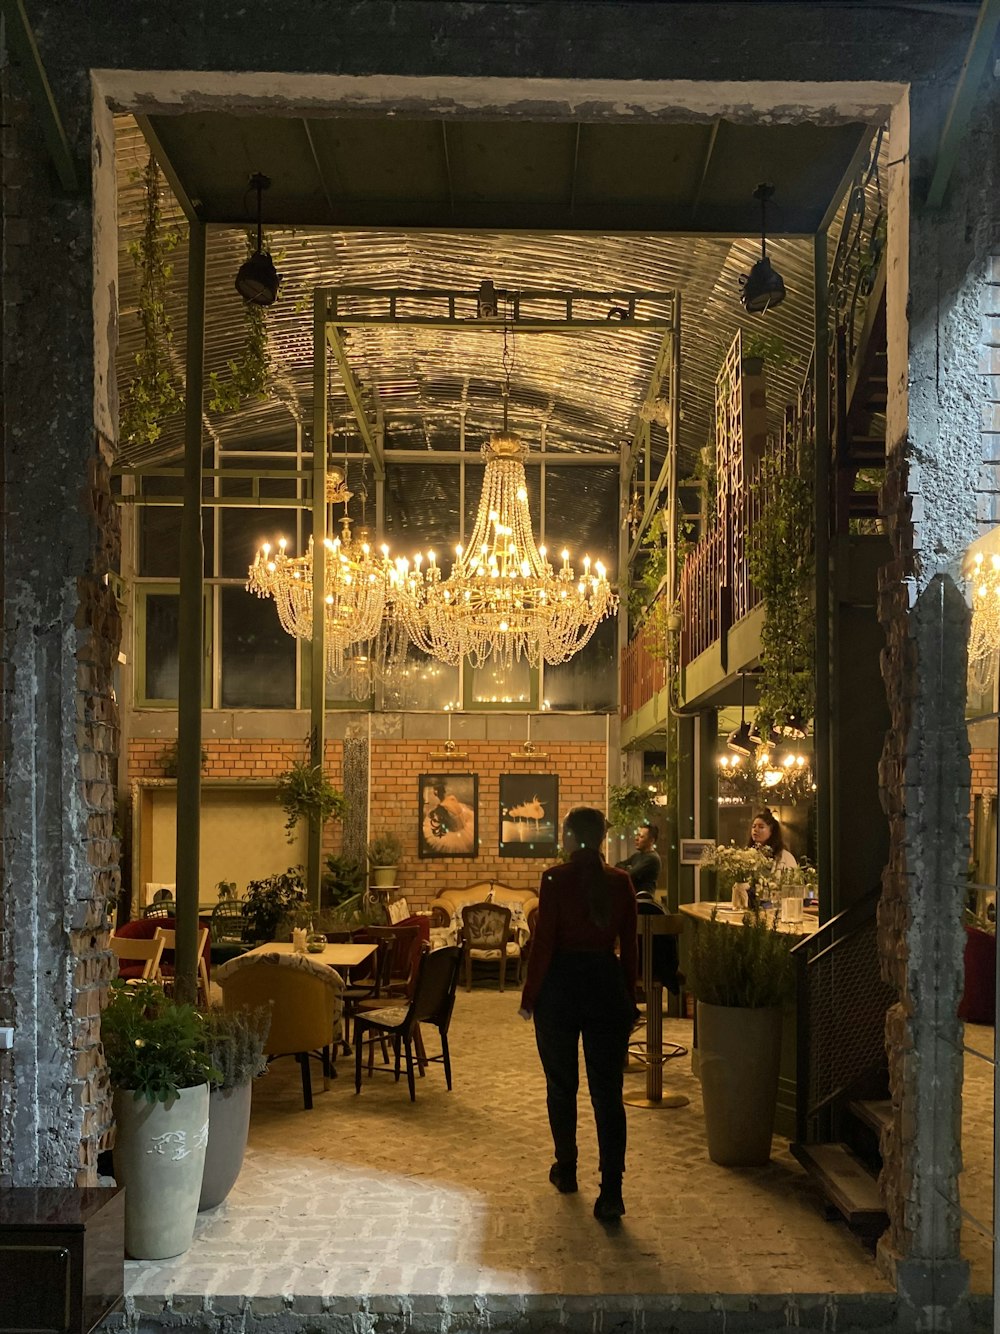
(385, 849)
(152, 394)
(305, 793)
(628, 805)
(344, 878)
(153, 1046)
(748, 966)
(249, 376)
(782, 568)
(269, 901)
(769, 347)
(235, 1042)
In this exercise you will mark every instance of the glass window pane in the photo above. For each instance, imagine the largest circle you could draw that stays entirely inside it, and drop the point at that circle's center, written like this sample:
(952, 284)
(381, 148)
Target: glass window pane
(258, 658)
(421, 683)
(581, 514)
(494, 684)
(590, 679)
(422, 509)
(162, 614)
(243, 531)
(159, 530)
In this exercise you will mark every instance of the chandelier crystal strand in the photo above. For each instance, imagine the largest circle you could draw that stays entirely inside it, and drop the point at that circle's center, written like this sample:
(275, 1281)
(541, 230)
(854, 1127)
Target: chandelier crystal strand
(502, 599)
(984, 639)
(354, 585)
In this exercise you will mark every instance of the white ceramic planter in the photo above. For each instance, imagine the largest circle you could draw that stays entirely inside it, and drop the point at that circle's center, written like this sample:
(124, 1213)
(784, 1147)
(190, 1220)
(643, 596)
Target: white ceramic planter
(228, 1126)
(159, 1158)
(739, 1055)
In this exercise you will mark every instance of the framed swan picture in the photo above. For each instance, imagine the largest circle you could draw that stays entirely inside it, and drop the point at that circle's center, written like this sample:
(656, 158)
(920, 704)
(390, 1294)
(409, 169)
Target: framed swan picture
(449, 815)
(529, 815)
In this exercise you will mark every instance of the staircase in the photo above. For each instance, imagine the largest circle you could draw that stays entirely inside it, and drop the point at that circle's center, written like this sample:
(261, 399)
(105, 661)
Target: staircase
(842, 1072)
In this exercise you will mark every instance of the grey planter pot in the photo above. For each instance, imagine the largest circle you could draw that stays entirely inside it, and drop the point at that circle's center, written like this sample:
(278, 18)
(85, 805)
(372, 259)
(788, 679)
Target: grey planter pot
(159, 1157)
(228, 1126)
(739, 1054)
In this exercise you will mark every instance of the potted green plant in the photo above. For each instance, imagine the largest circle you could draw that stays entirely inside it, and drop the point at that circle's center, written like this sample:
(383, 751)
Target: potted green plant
(159, 1068)
(741, 976)
(629, 804)
(268, 902)
(305, 793)
(343, 879)
(385, 851)
(235, 1042)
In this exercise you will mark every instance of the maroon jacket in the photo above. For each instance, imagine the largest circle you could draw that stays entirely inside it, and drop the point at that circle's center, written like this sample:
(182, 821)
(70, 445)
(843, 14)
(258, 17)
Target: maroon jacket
(564, 924)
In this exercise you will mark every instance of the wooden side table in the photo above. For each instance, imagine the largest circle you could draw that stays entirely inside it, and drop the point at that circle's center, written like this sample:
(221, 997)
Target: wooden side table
(62, 1256)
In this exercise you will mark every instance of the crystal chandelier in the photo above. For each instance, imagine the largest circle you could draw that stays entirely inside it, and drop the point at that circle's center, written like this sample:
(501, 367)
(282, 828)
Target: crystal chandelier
(984, 640)
(502, 599)
(354, 585)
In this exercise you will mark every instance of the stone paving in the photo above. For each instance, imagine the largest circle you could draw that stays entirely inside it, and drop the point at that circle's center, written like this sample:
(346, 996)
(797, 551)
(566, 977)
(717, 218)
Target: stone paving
(373, 1195)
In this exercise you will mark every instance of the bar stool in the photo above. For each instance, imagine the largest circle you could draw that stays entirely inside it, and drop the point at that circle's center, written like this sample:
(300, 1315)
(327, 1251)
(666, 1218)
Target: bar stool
(654, 922)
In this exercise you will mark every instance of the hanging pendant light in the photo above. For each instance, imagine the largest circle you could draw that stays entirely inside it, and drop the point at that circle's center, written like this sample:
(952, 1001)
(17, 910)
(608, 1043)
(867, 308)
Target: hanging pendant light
(257, 281)
(741, 739)
(763, 287)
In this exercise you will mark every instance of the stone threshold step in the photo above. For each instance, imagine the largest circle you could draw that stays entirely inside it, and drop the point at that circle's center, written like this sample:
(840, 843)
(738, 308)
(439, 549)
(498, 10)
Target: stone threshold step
(874, 1112)
(846, 1182)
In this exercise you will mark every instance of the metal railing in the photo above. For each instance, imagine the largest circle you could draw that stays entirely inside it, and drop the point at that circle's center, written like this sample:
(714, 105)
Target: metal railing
(842, 1004)
(643, 672)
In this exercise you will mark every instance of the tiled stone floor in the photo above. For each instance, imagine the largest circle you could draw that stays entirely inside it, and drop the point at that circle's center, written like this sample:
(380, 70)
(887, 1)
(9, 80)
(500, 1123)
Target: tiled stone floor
(375, 1196)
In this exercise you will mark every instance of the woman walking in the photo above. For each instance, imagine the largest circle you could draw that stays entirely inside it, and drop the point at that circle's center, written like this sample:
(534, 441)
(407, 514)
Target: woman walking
(577, 987)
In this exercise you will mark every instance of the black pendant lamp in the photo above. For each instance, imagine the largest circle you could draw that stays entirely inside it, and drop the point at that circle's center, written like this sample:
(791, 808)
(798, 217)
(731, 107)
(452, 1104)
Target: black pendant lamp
(763, 287)
(741, 739)
(257, 281)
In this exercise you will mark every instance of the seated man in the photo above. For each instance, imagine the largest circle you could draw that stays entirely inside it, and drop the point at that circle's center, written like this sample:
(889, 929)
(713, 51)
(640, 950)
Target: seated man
(643, 866)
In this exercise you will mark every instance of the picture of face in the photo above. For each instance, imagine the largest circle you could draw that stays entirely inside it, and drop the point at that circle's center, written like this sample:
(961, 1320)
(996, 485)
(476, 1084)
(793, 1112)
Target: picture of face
(449, 815)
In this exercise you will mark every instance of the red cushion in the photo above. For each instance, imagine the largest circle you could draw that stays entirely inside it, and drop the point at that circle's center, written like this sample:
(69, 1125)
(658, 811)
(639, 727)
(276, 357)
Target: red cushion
(145, 928)
(978, 1003)
(423, 922)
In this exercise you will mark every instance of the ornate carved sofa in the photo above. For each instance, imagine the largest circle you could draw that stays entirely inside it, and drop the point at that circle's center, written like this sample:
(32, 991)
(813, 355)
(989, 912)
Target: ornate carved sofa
(446, 909)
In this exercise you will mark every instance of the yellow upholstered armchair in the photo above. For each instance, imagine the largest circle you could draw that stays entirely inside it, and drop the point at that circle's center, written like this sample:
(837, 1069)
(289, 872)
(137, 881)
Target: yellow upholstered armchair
(307, 1007)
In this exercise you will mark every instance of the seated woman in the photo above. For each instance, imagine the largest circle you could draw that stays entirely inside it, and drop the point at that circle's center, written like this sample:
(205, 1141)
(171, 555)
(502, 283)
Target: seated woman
(765, 834)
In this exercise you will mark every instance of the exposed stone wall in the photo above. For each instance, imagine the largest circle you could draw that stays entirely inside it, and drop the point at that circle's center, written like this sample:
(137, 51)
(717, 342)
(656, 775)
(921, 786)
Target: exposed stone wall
(60, 641)
(938, 493)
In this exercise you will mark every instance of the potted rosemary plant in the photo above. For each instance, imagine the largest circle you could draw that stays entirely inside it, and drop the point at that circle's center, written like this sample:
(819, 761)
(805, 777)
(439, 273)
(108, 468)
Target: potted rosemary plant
(741, 976)
(235, 1041)
(385, 851)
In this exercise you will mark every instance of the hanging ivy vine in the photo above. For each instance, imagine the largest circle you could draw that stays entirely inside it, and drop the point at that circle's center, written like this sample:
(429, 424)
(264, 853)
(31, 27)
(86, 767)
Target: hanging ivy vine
(153, 393)
(783, 568)
(249, 375)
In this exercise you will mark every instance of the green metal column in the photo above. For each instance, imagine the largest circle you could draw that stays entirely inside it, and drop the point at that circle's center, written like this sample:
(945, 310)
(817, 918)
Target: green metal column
(317, 683)
(824, 720)
(191, 648)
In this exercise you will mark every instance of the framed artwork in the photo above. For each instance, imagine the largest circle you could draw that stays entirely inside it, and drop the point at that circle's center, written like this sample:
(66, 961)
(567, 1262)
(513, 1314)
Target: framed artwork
(529, 815)
(448, 807)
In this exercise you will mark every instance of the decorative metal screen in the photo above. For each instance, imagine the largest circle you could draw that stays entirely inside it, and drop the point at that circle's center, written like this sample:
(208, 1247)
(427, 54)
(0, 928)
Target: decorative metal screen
(846, 1002)
(356, 791)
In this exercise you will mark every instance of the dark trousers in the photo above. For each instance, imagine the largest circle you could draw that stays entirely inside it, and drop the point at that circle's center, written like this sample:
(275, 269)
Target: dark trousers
(584, 995)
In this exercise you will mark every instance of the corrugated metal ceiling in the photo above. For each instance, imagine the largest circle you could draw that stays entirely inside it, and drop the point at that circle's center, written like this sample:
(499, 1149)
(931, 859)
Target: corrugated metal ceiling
(582, 389)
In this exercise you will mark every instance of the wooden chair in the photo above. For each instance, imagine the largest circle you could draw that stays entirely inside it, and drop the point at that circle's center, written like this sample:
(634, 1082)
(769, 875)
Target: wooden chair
(432, 1003)
(132, 950)
(169, 939)
(486, 935)
(306, 1006)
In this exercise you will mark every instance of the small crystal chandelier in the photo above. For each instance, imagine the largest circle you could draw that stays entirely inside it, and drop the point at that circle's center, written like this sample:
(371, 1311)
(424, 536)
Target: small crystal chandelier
(502, 599)
(984, 640)
(354, 585)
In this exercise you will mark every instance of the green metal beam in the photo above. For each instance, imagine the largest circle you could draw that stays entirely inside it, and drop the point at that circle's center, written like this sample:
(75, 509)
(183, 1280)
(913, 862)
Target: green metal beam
(317, 680)
(963, 99)
(353, 390)
(190, 635)
(191, 208)
(22, 42)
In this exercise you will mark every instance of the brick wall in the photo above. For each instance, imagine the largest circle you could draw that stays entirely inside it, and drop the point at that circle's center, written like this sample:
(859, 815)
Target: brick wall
(984, 770)
(395, 769)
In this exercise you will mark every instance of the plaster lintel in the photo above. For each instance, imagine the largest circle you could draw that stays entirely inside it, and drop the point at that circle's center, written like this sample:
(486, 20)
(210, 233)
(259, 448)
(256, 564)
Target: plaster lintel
(178, 91)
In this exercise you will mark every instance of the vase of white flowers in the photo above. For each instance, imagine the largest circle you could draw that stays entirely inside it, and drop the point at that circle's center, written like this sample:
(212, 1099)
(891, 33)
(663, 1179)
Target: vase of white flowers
(737, 866)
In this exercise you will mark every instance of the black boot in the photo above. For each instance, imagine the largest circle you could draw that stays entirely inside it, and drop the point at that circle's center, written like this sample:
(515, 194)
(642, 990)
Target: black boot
(563, 1177)
(609, 1206)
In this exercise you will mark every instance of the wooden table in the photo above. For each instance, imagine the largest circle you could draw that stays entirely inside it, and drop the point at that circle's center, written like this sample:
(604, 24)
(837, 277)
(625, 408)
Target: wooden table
(336, 956)
(702, 912)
